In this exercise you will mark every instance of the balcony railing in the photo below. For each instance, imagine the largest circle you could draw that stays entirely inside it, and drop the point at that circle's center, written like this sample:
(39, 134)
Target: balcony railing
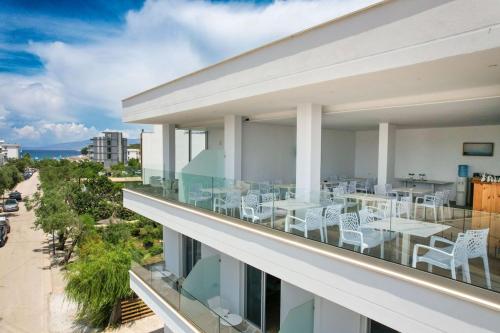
(425, 233)
(170, 288)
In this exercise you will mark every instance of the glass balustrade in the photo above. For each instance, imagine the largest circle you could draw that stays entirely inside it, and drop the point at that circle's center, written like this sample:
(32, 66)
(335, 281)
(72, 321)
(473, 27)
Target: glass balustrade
(422, 232)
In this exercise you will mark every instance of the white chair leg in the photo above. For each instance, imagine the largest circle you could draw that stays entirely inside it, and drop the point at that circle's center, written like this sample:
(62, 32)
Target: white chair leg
(322, 235)
(466, 272)
(487, 271)
(429, 268)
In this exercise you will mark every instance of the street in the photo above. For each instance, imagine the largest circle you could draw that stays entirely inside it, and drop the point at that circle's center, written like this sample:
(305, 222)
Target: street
(25, 281)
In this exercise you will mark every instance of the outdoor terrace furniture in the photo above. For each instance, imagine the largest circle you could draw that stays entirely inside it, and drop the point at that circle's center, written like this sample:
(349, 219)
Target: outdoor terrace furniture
(477, 247)
(433, 202)
(312, 221)
(289, 205)
(331, 217)
(450, 260)
(351, 232)
(252, 210)
(230, 202)
(407, 228)
(196, 194)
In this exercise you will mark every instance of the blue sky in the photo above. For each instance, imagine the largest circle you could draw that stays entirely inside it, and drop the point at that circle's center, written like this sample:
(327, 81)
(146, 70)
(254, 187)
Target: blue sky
(66, 65)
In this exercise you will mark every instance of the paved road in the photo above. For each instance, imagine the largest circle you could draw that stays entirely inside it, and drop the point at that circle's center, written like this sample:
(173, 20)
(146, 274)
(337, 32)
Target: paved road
(25, 280)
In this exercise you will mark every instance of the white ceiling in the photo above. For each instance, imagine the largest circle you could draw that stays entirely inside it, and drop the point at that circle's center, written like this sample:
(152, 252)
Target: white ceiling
(456, 91)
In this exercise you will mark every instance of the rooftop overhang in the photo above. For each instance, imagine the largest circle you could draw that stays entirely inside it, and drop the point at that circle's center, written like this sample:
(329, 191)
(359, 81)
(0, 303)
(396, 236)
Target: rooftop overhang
(410, 63)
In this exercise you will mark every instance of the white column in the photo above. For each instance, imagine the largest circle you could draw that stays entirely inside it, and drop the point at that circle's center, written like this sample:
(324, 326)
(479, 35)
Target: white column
(232, 146)
(172, 251)
(308, 165)
(386, 151)
(168, 149)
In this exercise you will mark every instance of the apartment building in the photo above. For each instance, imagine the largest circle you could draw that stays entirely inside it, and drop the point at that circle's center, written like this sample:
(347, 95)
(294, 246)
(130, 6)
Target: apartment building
(109, 149)
(9, 151)
(324, 196)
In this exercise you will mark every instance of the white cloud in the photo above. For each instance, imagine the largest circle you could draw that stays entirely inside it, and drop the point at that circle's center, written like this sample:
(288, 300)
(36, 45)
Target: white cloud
(163, 40)
(55, 132)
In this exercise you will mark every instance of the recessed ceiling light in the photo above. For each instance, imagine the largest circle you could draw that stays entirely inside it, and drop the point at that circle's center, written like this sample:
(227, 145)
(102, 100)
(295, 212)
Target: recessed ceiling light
(494, 65)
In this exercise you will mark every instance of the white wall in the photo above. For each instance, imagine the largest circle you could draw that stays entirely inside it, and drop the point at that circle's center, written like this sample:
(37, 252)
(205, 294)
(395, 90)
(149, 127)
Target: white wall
(268, 152)
(172, 249)
(338, 153)
(333, 318)
(366, 155)
(437, 152)
(215, 138)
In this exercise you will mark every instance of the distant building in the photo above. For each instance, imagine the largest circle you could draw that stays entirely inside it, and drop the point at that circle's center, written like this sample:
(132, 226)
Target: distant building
(109, 149)
(134, 153)
(8, 151)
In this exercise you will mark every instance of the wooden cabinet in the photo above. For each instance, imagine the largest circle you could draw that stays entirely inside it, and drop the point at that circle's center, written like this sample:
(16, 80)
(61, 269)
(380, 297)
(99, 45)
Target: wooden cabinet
(486, 197)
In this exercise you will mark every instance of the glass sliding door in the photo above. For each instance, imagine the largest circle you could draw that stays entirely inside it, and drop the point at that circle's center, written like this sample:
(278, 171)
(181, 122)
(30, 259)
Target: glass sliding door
(253, 292)
(262, 300)
(192, 253)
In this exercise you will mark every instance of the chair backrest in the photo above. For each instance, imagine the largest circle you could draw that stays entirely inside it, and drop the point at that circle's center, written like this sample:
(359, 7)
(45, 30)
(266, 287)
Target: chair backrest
(233, 198)
(459, 250)
(349, 221)
(403, 208)
(337, 191)
(366, 215)
(268, 197)
(265, 188)
(289, 195)
(380, 189)
(351, 187)
(314, 218)
(439, 198)
(388, 187)
(332, 214)
(250, 200)
(477, 243)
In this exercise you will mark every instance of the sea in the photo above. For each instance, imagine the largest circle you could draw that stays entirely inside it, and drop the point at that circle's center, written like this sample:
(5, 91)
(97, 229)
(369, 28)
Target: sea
(49, 154)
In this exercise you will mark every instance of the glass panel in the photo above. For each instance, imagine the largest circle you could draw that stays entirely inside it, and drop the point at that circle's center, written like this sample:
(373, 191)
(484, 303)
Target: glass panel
(273, 304)
(253, 291)
(299, 319)
(198, 313)
(404, 227)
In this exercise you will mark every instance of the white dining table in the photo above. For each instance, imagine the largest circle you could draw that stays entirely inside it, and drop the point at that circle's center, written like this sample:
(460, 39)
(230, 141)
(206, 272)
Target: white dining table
(289, 205)
(231, 319)
(408, 228)
(364, 197)
(413, 191)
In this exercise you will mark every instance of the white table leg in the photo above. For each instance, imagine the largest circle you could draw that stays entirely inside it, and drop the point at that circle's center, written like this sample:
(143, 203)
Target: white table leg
(405, 257)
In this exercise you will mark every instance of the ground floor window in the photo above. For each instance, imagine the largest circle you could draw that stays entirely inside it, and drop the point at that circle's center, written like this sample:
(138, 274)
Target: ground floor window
(192, 253)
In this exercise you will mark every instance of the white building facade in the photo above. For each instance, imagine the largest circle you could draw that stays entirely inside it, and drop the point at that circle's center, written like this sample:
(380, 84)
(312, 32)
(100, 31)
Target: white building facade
(9, 151)
(296, 208)
(109, 149)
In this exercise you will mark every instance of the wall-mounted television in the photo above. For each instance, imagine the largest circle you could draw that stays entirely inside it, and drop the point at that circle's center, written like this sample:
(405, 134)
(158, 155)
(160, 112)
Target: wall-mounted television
(478, 149)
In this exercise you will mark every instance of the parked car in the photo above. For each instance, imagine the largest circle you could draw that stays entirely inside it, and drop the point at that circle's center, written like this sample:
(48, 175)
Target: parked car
(3, 232)
(10, 205)
(16, 195)
(4, 219)
(27, 175)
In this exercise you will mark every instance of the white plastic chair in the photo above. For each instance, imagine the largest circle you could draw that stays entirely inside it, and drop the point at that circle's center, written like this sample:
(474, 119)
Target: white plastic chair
(312, 221)
(231, 201)
(450, 260)
(270, 197)
(252, 210)
(352, 233)
(351, 188)
(332, 217)
(477, 247)
(433, 202)
(446, 200)
(196, 194)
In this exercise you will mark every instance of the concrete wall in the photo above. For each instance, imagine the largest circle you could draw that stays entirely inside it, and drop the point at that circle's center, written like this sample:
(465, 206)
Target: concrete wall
(437, 152)
(172, 250)
(366, 154)
(268, 152)
(338, 153)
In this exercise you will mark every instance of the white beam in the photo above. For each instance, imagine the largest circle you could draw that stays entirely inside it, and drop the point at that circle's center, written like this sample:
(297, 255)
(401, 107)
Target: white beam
(232, 146)
(386, 151)
(308, 165)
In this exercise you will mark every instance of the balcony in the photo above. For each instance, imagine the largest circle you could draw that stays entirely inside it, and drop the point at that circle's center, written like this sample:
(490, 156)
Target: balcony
(432, 236)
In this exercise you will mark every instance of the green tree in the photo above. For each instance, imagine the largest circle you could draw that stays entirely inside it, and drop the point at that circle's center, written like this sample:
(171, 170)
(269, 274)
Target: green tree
(134, 164)
(84, 151)
(99, 279)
